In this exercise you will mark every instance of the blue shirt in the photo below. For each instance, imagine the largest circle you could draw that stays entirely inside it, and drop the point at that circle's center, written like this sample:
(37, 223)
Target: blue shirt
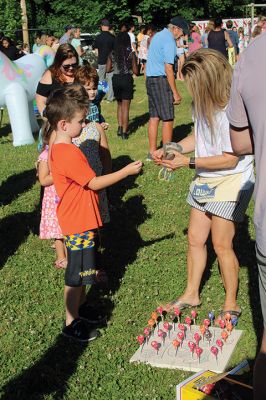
(162, 51)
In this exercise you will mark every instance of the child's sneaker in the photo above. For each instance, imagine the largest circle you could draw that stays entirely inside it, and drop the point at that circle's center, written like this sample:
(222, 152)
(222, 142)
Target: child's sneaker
(80, 331)
(92, 315)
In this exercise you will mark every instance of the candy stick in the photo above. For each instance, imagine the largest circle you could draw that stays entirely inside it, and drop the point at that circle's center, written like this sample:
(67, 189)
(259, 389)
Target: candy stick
(211, 316)
(141, 340)
(155, 345)
(167, 327)
(173, 318)
(161, 334)
(198, 351)
(147, 333)
(177, 312)
(202, 330)
(208, 336)
(176, 344)
(188, 322)
(160, 311)
(192, 347)
(224, 335)
(197, 338)
(214, 351)
(181, 336)
(194, 315)
(151, 323)
(220, 344)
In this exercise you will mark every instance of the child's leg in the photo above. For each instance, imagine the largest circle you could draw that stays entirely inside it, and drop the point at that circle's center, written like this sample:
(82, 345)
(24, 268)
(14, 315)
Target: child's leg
(72, 297)
(125, 114)
(119, 113)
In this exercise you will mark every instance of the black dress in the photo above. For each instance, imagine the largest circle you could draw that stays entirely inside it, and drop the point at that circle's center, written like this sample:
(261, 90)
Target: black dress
(216, 41)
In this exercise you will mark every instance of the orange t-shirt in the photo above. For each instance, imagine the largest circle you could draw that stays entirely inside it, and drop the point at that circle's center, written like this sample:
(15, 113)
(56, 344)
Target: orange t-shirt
(77, 210)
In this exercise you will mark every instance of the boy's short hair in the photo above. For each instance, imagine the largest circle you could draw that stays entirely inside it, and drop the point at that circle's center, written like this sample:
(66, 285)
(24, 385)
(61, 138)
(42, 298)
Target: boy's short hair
(65, 103)
(86, 74)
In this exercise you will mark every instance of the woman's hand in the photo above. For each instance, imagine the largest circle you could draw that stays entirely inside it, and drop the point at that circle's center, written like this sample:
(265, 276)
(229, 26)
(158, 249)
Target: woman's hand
(158, 155)
(178, 161)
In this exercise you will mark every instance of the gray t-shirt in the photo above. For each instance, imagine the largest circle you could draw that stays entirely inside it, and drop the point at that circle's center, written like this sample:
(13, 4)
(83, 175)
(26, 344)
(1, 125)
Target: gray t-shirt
(247, 107)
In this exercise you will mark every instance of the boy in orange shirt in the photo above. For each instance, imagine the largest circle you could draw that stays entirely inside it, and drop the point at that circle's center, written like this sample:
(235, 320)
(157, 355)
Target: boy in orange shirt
(78, 214)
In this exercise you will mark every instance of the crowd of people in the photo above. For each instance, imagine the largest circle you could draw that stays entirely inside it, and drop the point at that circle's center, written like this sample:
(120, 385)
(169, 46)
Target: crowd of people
(74, 166)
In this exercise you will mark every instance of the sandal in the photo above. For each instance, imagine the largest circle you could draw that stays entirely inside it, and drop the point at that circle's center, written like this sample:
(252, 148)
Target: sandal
(180, 304)
(234, 313)
(60, 264)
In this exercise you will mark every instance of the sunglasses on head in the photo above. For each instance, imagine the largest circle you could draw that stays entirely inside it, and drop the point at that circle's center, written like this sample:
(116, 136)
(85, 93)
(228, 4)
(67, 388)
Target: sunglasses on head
(68, 66)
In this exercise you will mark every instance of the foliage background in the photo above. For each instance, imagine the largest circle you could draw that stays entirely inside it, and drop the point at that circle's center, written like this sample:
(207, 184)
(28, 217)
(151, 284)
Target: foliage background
(55, 14)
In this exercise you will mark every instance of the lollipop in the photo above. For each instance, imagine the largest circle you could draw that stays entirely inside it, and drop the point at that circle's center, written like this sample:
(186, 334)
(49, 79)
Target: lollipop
(176, 344)
(227, 317)
(141, 340)
(155, 345)
(188, 322)
(160, 311)
(194, 315)
(192, 347)
(220, 344)
(167, 327)
(147, 333)
(222, 323)
(202, 330)
(198, 351)
(182, 328)
(197, 338)
(161, 334)
(154, 315)
(211, 316)
(181, 336)
(151, 323)
(214, 351)
(206, 323)
(224, 335)
(234, 321)
(229, 327)
(177, 312)
(208, 335)
(173, 318)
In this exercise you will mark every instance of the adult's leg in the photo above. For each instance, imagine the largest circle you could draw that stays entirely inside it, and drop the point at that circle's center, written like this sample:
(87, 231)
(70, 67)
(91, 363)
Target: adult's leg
(101, 72)
(259, 381)
(110, 93)
(223, 232)
(125, 114)
(198, 232)
(153, 132)
(167, 131)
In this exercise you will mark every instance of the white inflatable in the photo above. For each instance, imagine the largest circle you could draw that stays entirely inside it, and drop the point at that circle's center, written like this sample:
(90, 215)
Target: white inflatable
(18, 83)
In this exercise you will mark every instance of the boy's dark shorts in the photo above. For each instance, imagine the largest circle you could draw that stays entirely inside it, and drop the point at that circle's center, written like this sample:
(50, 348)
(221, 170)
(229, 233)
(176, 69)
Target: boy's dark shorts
(81, 259)
(160, 96)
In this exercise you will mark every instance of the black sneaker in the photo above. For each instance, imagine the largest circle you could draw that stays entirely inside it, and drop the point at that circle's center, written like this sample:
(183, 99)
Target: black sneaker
(92, 315)
(80, 331)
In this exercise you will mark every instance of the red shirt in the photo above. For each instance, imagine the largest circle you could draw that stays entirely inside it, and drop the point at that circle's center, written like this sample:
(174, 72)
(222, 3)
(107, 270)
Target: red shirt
(78, 209)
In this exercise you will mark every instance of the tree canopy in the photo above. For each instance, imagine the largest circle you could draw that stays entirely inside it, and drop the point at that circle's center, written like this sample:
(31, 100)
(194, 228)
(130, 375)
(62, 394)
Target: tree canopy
(55, 14)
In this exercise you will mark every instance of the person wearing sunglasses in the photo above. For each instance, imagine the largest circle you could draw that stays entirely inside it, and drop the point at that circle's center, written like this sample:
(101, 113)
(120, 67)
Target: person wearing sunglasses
(60, 73)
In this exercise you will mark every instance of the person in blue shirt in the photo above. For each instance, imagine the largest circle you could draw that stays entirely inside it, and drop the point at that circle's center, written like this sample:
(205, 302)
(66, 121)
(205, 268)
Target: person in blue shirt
(160, 82)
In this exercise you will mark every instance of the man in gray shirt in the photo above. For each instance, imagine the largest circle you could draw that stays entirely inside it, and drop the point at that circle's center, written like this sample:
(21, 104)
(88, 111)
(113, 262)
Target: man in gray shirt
(247, 116)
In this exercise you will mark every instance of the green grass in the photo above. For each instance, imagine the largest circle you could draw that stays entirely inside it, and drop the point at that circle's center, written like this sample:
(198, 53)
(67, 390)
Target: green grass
(145, 257)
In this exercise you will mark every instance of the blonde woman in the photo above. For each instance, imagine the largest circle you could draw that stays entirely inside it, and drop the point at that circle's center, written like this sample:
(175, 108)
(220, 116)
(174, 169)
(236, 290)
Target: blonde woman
(222, 187)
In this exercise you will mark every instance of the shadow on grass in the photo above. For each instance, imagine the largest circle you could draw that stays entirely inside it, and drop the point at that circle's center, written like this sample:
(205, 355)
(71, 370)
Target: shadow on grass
(182, 131)
(5, 130)
(49, 375)
(15, 185)
(137, 122)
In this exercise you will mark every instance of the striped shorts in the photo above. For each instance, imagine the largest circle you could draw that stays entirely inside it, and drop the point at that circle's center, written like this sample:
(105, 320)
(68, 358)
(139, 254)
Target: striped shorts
(160, 96)
(231, 210)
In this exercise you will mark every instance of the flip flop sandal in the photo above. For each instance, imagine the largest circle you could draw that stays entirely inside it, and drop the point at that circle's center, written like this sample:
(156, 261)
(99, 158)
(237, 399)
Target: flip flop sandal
(181, 305)
(61, 264)
(165, 174)
(235, 313)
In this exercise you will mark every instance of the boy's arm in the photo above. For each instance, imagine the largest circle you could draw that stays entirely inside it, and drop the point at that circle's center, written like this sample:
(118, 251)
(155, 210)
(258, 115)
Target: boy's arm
(102, 182)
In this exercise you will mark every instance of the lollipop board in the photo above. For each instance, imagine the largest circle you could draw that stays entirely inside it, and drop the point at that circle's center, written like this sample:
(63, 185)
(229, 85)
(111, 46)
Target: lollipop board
(167, 356)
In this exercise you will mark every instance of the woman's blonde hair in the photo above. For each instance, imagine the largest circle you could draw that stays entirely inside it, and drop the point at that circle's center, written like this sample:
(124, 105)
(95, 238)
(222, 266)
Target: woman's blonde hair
(208, 75)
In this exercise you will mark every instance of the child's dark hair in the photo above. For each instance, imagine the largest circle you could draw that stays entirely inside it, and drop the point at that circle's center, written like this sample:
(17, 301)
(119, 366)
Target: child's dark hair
(64, 103)
(86, 74)
(46, 132)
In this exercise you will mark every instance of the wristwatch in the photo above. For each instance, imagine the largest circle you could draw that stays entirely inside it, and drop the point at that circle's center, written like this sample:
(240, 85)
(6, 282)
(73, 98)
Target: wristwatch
(192, 164)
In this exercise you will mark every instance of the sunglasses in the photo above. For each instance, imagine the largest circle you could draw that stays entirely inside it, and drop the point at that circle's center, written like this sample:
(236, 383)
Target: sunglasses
(68, 66)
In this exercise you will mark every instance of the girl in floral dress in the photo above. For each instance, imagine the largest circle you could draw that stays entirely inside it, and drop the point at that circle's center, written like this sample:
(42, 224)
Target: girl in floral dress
(49, 227)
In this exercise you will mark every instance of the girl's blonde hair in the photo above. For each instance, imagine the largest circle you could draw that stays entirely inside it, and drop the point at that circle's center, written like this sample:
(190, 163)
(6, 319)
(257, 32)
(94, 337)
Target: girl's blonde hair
(208, 77)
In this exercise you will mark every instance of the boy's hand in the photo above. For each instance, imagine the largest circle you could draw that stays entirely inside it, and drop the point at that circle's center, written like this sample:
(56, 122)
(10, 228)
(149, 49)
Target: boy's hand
(133, 168)
(104, 125)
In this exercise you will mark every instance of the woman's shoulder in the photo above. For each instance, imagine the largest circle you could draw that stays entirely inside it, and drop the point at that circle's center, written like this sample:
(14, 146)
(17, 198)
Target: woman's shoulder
(47, 77)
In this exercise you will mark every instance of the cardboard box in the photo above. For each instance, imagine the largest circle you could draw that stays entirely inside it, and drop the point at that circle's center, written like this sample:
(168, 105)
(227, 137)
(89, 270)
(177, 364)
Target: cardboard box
(208, 385)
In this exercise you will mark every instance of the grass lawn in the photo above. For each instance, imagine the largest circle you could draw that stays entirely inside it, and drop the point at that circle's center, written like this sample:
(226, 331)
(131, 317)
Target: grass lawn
(145, 258)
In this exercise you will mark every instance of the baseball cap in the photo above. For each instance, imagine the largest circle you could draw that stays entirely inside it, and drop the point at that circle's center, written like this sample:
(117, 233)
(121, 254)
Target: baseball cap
(180, 23)
(105, 22)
